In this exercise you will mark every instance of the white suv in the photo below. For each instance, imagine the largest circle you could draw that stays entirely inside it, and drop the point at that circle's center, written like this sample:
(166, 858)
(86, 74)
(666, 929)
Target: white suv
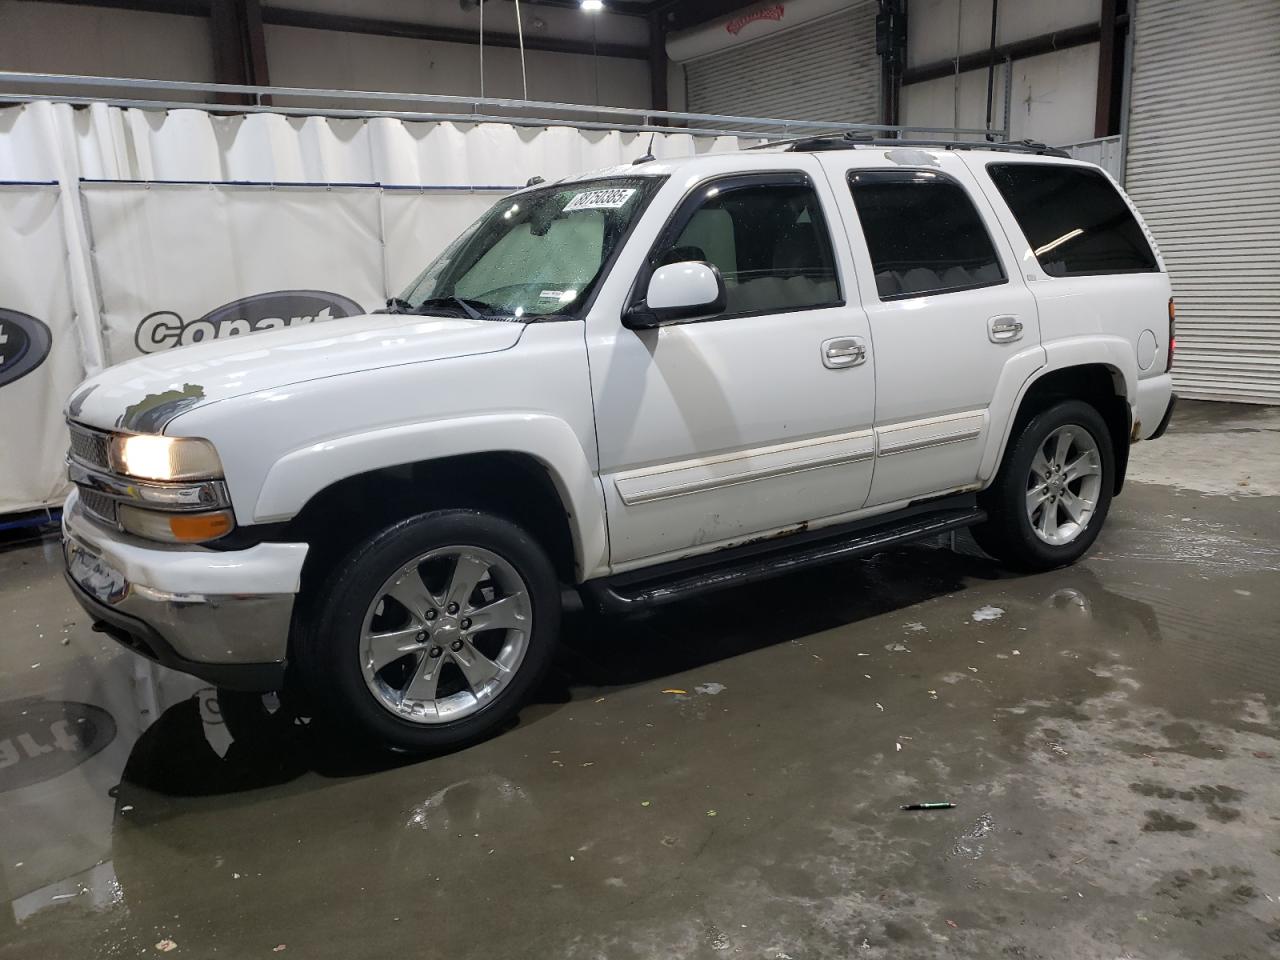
(645, 383)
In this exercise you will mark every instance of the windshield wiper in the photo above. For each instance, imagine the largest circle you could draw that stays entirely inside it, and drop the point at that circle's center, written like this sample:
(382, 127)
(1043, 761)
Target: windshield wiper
(396, 305)
(466, 306)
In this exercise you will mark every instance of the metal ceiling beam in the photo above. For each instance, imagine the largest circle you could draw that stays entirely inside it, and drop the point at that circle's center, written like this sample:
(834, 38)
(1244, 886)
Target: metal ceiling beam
(255, 42)
(229, 62)
(657, 63)
(200, 8)
(1113, 24)
(625, 8)
(239, 46)
(376, 26)
(186, 8)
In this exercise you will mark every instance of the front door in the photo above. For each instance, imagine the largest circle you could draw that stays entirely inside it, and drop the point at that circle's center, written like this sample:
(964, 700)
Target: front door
(755, 421)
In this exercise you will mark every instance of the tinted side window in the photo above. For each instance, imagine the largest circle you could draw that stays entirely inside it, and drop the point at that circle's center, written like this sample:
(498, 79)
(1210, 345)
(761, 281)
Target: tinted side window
(1074, 219)
(770, 243)
(923, 233)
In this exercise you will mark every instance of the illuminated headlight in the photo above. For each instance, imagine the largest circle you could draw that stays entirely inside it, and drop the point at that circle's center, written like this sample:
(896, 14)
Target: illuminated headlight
(150, 457)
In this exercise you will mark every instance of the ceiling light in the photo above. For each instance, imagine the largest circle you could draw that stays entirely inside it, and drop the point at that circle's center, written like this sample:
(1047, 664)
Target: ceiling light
(592, 6)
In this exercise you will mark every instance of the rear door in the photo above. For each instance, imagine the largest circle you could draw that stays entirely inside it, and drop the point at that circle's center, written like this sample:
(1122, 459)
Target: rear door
(953, 325)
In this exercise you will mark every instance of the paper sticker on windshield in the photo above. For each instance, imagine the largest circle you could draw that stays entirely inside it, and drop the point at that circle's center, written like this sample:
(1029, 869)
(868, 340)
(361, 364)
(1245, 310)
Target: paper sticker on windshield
(560, 296)
(600, 199)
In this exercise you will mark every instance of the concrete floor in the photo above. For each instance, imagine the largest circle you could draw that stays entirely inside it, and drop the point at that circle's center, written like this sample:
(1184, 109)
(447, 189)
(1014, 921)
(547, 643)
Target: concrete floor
(723, 779)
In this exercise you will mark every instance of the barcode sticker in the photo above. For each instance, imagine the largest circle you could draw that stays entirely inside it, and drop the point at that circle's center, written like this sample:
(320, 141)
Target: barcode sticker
(600, 199)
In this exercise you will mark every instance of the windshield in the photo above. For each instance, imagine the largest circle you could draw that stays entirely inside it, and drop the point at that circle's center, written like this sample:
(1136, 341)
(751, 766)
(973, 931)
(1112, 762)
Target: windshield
(537, 254)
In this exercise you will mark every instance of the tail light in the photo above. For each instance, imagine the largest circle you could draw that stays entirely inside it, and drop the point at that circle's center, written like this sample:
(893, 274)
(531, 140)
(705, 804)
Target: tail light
(1172, 341)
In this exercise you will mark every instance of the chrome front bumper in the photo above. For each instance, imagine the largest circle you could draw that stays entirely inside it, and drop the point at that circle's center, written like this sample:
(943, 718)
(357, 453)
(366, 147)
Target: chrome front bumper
(187, 608)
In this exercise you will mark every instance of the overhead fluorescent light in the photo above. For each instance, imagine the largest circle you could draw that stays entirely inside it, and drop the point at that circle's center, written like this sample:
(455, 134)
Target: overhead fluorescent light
(592, 6)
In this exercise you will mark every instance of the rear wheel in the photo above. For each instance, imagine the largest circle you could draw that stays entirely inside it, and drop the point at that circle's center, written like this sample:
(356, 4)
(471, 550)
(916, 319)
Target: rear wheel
(431, 633)
(1051, 496)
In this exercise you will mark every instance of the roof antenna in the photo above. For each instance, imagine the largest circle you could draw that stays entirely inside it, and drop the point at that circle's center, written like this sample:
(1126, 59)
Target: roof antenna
(648, 154)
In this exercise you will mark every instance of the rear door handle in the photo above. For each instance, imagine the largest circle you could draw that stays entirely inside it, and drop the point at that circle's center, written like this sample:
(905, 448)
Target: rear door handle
(1004, 329)
(840, 352)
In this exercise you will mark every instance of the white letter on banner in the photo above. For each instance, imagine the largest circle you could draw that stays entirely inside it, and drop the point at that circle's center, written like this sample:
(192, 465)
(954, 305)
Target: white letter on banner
(158, 331)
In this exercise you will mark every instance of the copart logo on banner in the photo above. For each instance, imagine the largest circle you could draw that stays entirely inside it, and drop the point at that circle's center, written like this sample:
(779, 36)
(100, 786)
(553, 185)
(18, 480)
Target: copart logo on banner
(262, 311)
(24, 343)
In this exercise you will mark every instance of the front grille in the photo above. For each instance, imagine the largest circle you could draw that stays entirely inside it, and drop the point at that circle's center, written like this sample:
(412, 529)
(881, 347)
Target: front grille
(98, 506)
(89, 446)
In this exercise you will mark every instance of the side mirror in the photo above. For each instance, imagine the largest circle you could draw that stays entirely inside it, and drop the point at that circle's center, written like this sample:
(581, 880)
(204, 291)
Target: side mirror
(678, 291)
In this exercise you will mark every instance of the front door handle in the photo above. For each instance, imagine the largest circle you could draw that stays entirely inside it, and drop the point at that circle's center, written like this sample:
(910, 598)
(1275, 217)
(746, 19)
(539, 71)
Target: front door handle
(1004, 329)
(840, 352)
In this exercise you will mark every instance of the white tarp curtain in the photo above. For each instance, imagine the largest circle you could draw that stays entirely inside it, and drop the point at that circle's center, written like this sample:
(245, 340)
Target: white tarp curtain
(205, 257)
(168, 257)
(101, 142)
(417, 225)
(39, 354)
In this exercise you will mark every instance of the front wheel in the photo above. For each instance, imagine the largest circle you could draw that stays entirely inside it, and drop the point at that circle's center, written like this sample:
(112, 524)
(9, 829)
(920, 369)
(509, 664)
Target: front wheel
(431, 633)
(1051, 496)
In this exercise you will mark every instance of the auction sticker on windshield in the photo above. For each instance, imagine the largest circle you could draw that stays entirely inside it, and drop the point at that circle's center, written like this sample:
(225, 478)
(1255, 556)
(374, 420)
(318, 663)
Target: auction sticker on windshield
(600, 199)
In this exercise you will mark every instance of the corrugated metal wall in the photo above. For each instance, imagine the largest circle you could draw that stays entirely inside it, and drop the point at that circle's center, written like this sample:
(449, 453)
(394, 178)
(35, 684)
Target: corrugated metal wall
(1203, 166)
(1106, 152)
(823, 70)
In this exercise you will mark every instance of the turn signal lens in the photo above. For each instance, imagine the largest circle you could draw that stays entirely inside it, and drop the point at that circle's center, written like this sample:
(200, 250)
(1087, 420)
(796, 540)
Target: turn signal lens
(1173, 343)
(175, 527)
(198, 527)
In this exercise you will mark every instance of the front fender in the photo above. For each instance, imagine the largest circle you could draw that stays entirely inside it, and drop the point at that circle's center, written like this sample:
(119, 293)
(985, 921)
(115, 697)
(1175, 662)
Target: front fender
(299, 475)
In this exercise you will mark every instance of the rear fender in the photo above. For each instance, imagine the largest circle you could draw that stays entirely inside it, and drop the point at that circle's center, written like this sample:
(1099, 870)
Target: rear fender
(1115, 354)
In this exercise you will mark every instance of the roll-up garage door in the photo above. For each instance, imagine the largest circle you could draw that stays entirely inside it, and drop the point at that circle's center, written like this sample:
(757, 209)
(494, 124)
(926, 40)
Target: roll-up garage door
(1203, 166)
(825, 69)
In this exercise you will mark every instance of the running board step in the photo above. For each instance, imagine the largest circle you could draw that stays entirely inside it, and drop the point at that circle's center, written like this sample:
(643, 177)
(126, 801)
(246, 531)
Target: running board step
(682, 579)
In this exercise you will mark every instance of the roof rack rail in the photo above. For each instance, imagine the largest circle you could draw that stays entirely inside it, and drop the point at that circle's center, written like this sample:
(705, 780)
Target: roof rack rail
(850, 140)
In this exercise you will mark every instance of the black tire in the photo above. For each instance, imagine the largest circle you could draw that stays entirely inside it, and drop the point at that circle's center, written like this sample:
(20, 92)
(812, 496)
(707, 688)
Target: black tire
(1007, 534)
(327, 645)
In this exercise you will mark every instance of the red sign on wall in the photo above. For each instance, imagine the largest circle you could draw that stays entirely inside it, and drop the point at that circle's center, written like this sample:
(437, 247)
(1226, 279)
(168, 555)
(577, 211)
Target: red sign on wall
(773, 12)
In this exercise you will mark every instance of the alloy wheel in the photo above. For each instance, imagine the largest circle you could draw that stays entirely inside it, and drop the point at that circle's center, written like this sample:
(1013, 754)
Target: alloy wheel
(445, 634)
(1063, 484)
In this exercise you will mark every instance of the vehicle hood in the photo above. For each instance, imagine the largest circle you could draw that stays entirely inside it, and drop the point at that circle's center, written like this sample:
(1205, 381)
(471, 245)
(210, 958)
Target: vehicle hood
(143, 395)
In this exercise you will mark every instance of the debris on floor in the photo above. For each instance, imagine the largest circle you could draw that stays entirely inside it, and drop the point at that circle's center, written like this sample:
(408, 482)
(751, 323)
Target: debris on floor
(927, 806)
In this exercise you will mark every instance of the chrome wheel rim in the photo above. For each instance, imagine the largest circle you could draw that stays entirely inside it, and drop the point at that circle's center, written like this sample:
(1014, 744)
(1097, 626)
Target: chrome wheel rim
(445, 634)
(1063, 485)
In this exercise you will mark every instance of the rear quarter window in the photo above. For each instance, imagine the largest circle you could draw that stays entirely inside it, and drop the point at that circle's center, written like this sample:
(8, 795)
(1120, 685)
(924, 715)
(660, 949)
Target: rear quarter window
(1074, 219)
